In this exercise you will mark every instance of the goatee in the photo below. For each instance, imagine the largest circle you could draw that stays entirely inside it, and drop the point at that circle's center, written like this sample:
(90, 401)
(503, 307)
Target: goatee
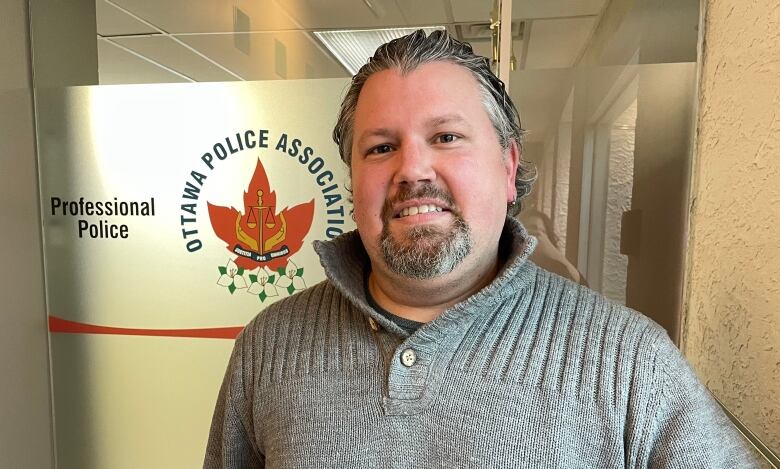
(427, 251)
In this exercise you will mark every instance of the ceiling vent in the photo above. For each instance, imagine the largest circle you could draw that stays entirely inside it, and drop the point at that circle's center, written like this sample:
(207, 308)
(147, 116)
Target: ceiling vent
(354, 47)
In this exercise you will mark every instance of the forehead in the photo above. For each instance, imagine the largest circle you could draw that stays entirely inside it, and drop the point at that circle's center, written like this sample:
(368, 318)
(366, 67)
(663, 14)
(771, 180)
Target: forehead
(424, 93)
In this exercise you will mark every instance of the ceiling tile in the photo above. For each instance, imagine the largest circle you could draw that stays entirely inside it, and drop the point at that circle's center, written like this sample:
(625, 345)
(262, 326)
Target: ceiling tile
(471, 11)
(556, 8)
(557, 43)
(305, 57)
(111, 21)
(171, 54)
(117, 66)
(208, 16)
(205, 16)
(424, 13)
(344, 14)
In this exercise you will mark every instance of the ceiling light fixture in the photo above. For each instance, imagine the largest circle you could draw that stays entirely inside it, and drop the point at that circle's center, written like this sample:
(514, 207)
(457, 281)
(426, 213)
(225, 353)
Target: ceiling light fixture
(354, 47)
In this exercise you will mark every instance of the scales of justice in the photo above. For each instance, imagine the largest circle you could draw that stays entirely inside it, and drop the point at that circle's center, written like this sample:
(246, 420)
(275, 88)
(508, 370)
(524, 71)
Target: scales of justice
(261, 247)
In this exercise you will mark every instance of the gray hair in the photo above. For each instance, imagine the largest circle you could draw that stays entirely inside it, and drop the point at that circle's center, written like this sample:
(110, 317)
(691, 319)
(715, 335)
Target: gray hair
(409, 52)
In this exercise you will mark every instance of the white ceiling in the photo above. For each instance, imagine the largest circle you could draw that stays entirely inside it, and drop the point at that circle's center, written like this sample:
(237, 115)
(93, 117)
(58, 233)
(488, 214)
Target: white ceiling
(171, 41)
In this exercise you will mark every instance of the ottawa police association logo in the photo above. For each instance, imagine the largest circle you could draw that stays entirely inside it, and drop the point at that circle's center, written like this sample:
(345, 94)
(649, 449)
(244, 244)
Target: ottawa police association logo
(260, 237)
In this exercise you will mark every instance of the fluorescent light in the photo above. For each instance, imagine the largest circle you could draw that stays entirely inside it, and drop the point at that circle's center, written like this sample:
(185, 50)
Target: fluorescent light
(353, 48)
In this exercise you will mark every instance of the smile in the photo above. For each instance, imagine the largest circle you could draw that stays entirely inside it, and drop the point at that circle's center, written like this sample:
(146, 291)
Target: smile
(418, 209)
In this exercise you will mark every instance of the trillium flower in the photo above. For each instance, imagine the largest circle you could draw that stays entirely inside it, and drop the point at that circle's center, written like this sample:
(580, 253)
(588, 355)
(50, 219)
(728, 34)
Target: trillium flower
(262, 284)
(291, 277)
(231, 276)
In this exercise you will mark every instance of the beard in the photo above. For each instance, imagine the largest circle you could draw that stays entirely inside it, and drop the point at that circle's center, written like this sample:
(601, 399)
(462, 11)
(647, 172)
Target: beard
(427, 251)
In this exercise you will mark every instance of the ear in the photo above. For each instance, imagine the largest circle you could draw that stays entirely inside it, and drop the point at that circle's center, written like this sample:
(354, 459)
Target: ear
(511, 161)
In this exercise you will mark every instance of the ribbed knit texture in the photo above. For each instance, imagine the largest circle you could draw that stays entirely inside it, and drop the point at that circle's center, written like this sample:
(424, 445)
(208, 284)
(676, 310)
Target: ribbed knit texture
(532, 371)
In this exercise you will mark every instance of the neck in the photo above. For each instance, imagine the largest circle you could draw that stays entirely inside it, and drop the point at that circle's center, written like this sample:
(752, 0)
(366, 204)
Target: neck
(425, 300)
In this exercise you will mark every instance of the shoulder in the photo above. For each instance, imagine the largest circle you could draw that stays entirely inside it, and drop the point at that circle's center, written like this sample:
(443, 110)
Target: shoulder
(290, 312)
(310, 330)
(581, 310)
(589, 342)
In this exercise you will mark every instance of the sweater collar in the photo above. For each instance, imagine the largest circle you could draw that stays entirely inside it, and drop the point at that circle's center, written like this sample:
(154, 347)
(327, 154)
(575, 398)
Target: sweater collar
(345, 260)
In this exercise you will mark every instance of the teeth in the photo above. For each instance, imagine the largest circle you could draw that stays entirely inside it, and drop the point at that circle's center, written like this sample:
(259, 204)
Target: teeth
(419, 209)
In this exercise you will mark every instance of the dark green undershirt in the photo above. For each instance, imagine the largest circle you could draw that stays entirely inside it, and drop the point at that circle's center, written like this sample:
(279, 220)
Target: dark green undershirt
(407, 325)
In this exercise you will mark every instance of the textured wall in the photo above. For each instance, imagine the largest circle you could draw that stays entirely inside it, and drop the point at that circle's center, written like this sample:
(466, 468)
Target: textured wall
(562, 164)
(732, 327)
(620, 183)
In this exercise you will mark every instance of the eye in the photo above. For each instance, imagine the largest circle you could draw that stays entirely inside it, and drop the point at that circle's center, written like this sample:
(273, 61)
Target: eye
(446, 138)
(379, 149)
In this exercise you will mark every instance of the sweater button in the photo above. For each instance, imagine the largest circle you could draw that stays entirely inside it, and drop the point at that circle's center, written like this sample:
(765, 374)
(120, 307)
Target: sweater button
(408, 357)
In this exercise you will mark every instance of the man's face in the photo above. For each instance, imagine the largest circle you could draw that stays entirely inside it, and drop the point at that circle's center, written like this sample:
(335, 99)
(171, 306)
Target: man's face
(430, 180)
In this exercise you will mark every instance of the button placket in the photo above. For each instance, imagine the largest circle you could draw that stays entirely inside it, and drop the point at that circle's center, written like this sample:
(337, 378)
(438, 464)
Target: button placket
(408, 377)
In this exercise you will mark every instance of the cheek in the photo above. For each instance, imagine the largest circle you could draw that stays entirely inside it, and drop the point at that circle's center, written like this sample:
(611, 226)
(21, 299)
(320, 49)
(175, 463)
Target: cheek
(367, 196)
(484, 195)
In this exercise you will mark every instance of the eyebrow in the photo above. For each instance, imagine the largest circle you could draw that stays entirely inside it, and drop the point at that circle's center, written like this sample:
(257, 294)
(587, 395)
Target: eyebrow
(379, 132)
(446, 119)
(430, 123)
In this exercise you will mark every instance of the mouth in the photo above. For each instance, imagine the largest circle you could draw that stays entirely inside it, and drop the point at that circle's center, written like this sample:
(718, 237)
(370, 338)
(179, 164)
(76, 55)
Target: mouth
(414, 204)
(419, 210)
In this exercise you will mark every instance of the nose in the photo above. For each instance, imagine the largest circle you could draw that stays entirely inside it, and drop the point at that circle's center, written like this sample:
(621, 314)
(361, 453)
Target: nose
(415, 164)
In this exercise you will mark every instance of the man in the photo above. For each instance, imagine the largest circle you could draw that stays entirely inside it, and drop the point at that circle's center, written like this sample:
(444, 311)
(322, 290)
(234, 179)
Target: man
(434, 342)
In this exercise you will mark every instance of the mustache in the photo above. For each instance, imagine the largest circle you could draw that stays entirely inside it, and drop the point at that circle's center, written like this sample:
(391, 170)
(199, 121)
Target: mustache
(425, 190)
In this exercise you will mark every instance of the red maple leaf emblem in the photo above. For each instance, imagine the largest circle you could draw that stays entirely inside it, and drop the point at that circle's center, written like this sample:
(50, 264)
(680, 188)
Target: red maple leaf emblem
(259, 235)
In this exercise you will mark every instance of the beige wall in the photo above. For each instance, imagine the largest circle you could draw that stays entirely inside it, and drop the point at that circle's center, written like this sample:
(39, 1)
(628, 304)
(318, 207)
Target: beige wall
(25, 404)
(732, 325)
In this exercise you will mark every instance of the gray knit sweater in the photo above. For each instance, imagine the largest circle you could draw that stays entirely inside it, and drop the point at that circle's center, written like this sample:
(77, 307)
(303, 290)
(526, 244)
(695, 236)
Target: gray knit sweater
(532, 371)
